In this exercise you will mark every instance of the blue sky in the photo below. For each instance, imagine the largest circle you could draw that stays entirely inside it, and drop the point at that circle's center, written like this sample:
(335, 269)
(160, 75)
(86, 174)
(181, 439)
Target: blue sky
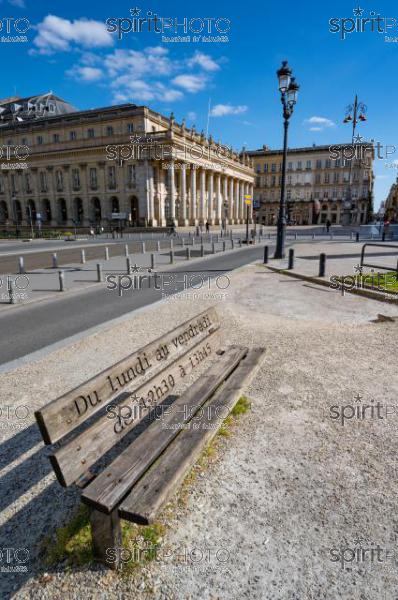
(70, 52)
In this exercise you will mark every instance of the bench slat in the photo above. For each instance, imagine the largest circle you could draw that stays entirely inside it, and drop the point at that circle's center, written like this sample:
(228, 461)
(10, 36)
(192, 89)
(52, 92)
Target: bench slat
(159, 483)
(110, 487)
(65, 413)
(74, 458)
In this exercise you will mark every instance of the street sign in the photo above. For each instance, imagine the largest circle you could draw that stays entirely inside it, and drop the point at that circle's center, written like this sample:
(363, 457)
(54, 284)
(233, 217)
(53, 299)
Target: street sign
(256, 204)
(248, 202)
(119, 216)
(248, 196)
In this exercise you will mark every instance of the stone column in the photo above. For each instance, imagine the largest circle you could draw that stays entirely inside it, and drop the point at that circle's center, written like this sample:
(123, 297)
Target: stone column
(225, 199)
(51, 196)
(218, 200)
(194, 214)
(202, 212)
(231, 201)
(172, 193)
(237, 198)
(210, 211)
(183, 195)
(242, 202)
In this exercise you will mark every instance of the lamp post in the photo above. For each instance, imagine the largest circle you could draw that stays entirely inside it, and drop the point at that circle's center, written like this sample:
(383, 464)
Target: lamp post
(354, 113)
(288, 89)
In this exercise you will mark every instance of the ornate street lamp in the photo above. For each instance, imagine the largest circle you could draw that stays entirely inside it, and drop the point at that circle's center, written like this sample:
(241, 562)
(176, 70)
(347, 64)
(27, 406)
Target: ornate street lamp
(354, 113)
(288, 89)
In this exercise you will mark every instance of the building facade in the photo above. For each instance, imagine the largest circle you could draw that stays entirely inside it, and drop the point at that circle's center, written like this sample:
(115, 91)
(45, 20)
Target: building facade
(316, 185)
(63, 167)
(391, 204)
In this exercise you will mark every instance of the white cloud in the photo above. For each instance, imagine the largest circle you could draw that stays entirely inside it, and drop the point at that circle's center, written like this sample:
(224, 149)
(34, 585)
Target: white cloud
(192, 116)
(19, 3)
(134, 63)
(220, 110)
(138, 90)
(190, 83)
(319, 123)
(203, 60)
(57, 34)
(85, 73)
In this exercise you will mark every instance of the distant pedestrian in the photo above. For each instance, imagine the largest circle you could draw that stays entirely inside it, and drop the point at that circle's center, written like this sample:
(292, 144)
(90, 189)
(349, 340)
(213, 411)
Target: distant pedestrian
(197, 231)
(207, 227)
(328, 224)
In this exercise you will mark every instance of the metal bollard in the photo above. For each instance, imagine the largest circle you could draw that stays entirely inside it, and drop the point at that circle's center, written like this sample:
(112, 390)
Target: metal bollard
(99, 272)
(240, 242)
(230, 234)
(54, 261)
(128, 265)
(213, 248)
(82, 257)
(126, 250)
(295, 236)
(61, 278)
(106, 253)
(171, 257)
(171, 244)
(217, 238)
(188, 252)
(11, 295)
(351, 236)
(21, 265)
(232, 243)
(193, 241)
(383, 237)
(143, 247)
(224, 246)
(152, 261)
(291, 259)
(202, 250)
(265, 255)
(158, 246)
(313, 236)
(322, 265)
(357, 237)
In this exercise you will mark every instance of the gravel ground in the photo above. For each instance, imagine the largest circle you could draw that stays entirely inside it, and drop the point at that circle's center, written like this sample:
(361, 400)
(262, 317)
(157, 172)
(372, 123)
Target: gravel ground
(289, 494)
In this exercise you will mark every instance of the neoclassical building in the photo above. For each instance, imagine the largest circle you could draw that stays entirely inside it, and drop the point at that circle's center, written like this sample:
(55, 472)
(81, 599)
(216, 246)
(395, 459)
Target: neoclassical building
(317, 179)
(64, 167)
(391, 204)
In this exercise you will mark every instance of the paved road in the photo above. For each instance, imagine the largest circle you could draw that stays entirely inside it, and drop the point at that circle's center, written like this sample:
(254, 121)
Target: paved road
(30, 328)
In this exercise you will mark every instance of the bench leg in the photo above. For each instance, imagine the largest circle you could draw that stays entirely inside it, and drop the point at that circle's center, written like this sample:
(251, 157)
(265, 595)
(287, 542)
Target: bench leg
(107, 537)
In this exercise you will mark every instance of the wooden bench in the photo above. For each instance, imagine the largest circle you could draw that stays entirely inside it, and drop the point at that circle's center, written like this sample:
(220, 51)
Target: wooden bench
(86, 425)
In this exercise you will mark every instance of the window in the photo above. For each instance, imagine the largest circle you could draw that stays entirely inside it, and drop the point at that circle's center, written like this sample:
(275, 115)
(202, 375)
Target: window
(27, 183)
(273, 168)
(24, 141)
(257, 181)
(266, 168)
(109, 130)
(317, 178)
(326, 178)
(93, 178)
(9, 142)
(326, 194)
(289, 179)
(39, 139)
(51, 108)
(337, 162)
(258, 169)
(273, 180)
(112, 178)
(289, 166)
(319, 164)
(1, 185)
(56, 138)
(43, 181)
(13, 183)
(328, 163)
(334, 193)
(72, 135)
(308, 164)
(336, 177)
(75, 179)
(90, 133)
(59, 181)
(130, 127)
(299, 164)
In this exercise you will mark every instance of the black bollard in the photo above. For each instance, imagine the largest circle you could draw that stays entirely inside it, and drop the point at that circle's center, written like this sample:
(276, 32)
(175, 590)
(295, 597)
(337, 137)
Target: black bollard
(265, 255)
(322, 265)
(291, 259)
(357, 237)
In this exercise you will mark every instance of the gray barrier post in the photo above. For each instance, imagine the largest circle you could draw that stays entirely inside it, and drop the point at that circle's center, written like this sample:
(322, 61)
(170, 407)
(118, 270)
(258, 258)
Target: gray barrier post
(128, 265)
(99, 272)
(188, 252)
(126, 250)
(61, 278)
(82, 257)
(171, 257)
(106, 253)
(11, 295)
(322, 265)
(202, 250)
(265, 255)
(54, 261)
(291, 259)
(21, 266)
(152, 261)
